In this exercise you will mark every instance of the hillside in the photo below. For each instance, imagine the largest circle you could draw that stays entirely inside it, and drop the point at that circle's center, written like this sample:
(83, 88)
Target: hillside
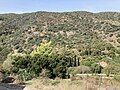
(91, 37)
(64, 47)
(99, 32)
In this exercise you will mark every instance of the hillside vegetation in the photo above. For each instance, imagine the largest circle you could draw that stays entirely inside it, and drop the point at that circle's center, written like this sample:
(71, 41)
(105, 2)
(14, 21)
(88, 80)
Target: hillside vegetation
(50, 42)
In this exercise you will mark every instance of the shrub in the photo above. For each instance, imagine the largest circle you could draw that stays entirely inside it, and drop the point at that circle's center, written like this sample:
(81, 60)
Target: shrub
(79, 70)
(47, 73)
(7, 64)
(24, 75)
(114, 68)
(117, 78)
(41, 61)
(61, 71)
(96, 68)
(118, 40)
(87, 62)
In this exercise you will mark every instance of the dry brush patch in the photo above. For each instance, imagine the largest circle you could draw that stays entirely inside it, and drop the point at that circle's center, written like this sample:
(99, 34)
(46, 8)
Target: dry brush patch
(88, 83)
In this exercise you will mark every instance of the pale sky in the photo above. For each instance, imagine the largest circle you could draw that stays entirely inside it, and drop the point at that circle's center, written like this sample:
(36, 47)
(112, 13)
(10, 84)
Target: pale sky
(22, 6)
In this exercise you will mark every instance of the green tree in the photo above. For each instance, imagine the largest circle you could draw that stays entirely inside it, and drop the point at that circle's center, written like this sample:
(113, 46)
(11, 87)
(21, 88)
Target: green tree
(44, 49)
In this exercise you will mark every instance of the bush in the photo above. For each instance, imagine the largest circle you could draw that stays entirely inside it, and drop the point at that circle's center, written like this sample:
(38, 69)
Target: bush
(47, 73)
(118, 40)
(41, 61)
(114, 68)
(87, 62)
(24, 75)
(7, 64)
(96, 68)
(61, 71)
(79, 70)
(117, 78)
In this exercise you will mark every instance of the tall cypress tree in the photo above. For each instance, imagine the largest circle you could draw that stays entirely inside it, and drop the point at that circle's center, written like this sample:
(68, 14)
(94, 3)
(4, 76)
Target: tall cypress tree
(70, 62)
(75, 61)
(78, 61)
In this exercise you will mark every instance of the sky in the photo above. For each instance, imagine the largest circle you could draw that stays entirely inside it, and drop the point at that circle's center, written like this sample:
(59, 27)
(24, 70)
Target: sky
(24, 6)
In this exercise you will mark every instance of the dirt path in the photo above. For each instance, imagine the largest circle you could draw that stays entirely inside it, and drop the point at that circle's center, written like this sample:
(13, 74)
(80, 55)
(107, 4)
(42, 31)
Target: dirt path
(4, 86)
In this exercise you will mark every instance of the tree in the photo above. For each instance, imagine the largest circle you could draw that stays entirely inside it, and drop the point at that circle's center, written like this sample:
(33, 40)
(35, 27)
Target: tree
(96, 68)
(44, 49)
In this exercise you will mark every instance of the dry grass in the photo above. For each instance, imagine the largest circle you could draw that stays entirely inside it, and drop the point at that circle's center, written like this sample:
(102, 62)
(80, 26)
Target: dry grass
(76, 83)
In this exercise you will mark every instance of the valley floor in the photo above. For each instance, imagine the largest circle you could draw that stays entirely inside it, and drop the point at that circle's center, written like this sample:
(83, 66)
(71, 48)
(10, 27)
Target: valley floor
(79, 82)
(75, 83)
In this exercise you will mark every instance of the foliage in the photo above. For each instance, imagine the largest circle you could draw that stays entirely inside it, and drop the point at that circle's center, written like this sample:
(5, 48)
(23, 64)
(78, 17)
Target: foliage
(24, 75)
(76, 38)
(44, 50)
(117, 78)
(7, 64)
(96, 68)
(32, 65)
(79, 70)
